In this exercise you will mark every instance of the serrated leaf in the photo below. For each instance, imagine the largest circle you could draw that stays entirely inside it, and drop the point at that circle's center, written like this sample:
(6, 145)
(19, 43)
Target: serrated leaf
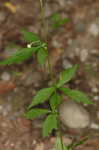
(36, 112)
(20, 56)
(55, 100)
(59, 145)
(41, 56)
(49, 124)
(42, 96)
(29, 36)
(67, 75)
(77, 96)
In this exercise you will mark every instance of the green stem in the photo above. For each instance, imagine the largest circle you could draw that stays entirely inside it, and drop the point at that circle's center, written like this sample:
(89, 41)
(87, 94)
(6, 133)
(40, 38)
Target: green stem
(43, 19)
(60, 134)
(42, 5)
(49, 64)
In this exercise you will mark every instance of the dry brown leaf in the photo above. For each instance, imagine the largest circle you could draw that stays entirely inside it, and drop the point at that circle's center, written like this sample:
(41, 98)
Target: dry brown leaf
(11, 7)
(6, 86)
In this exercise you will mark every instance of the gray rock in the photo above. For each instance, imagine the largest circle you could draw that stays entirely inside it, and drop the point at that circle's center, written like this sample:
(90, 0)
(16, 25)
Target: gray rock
(73, 115)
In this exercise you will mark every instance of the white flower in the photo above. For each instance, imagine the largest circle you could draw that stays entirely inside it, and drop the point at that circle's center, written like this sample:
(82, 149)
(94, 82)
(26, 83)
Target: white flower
(29, 45)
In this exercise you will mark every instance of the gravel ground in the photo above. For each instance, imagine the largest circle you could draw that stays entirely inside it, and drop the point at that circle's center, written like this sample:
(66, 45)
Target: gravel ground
(76, 42)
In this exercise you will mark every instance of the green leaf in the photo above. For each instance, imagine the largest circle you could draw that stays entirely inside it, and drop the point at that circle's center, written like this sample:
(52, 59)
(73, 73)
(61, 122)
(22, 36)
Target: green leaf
(29, 36)
(41, 56)
(78, 143)
(49, 124)
(55, 17)
(59, 145)
(55, 100)
(60, 22)
(77, 96)
(67, 75)
(20, 56)
(42, 96)
(36, 112)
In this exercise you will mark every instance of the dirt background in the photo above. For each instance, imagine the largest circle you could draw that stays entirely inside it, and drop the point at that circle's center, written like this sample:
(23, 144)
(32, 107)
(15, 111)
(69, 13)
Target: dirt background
(76, 42)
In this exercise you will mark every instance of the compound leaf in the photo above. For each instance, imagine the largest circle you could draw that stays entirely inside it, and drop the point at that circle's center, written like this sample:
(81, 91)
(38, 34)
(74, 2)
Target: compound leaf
(58, 21)
(29, 36)
(77, 96)
(42, 96)
(20, 56)
(49, 124)
(67, 75)
(36, 112)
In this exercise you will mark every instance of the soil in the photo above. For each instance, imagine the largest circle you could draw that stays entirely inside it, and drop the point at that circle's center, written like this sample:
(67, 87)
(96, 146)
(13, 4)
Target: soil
(75, 42)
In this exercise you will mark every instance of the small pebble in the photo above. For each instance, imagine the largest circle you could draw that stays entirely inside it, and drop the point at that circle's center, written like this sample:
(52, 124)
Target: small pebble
(5, 76)
(94, 126)
(40, 146)
(66, 64)
(34, 142)
(96, 98)
(94, 29)
(95, 90)
(98, 114)
(84, 55)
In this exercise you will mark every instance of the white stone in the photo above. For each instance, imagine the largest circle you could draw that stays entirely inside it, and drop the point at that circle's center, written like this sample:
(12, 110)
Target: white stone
(66, 64)
(84, 55)
(94, 89)
(96, 98)
(73, 115)
(5, 76)
(94, 125)
(40, 146)
(94, 29)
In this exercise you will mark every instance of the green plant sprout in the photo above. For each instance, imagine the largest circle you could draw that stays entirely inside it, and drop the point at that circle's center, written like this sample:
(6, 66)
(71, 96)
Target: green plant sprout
(57, 21)
(52, 94)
